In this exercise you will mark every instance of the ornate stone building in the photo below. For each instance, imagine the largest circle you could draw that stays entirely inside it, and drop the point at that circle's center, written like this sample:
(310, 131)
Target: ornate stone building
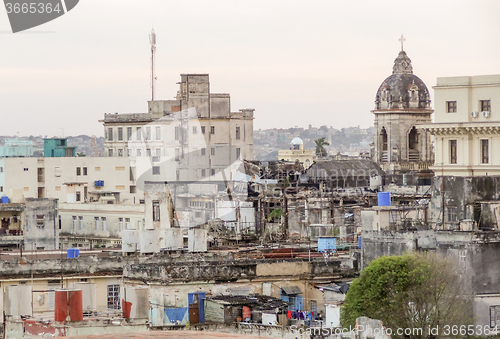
(402, 102)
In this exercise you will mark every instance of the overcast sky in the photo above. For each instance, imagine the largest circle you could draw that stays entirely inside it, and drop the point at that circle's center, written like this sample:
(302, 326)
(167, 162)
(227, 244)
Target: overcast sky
(296, 62)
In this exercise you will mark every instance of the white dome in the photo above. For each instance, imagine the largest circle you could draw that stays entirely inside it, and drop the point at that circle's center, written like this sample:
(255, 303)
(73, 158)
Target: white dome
(297, 141)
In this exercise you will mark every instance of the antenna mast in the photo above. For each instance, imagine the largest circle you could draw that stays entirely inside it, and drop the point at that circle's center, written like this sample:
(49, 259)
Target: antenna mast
(152, 40)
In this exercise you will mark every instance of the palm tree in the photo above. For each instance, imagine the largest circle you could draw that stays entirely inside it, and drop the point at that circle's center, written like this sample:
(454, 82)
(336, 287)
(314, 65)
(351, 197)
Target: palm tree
(320, 147)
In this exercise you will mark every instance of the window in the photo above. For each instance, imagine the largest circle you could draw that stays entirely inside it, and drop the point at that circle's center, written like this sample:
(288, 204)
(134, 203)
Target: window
(156, 210)
(202, 129)
(494, 316)
(485, 105)
(40, 221)
(203, 151)
(452, 213)
(158, 133)
(127, 223)
(212, 151)
(84, 170)
(110, 134)
(148, 133)
(26, 169)
(451, 106)
(120, 153)
(80, 219)
(138, 133)
(96, 223)
(237, 133)
(484, 151)
(97, 169)
(120, 133)
(176, 133)
(139, 152)
(195, 130)
(176, 155)
(120, 168)
(1, 169)
(158, 152)
(1, 188)
(129, 152)
(148, 152)
(453, 151)
(114, 297)
(133, 189)
(129, 133)
(103, 220)
(156, 170)
(74, 222)
(238, 153)
(78, 171)
(212, 129)
(110, 152)
(314, 307)
(78, 196)
(203, 173)
(213, 171)
(120, 224)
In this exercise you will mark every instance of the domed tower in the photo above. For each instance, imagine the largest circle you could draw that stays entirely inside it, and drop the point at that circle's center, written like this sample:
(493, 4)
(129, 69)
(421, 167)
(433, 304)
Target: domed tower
(401, 104)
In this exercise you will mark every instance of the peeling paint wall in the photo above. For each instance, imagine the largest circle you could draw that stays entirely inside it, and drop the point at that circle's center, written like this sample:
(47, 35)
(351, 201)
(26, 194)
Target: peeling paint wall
(41, 230)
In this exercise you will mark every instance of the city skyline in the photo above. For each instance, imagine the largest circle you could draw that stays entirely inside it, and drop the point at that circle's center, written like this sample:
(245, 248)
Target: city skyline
(296, 64)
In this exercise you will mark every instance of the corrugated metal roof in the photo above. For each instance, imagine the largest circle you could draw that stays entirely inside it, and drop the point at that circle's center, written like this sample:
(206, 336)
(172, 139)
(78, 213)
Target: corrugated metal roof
(290, 290)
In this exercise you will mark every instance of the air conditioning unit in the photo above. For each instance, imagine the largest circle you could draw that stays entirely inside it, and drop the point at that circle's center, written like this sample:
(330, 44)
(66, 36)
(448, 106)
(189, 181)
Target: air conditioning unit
(473, 114)
(486, 114)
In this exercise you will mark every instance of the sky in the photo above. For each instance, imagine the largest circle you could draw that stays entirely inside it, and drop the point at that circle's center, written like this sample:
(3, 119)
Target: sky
(295, 62)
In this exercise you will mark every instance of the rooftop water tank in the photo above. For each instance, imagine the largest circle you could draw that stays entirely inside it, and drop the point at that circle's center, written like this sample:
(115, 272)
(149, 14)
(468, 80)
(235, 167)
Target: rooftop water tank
(384, 198)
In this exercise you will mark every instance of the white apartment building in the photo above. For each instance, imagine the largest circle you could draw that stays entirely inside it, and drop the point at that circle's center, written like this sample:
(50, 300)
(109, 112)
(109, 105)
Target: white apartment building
(467, 126)
(69, 179)
(197, 130)
(97, 197)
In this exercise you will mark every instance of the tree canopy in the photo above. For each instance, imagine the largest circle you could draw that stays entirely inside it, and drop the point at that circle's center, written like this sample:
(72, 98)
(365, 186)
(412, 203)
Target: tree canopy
(417, 291)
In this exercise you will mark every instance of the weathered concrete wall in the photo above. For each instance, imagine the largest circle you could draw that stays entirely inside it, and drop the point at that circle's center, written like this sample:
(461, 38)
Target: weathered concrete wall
(41, 230)
(460, 192)
(474, 254)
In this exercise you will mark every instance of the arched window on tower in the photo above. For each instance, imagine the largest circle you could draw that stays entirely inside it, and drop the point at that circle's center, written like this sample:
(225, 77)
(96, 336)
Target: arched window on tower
(413, 94)
(383, 144)
(413, 153)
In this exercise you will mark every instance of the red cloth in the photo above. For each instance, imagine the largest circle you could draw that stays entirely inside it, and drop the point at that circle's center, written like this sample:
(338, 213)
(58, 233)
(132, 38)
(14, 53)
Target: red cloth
(289, 314)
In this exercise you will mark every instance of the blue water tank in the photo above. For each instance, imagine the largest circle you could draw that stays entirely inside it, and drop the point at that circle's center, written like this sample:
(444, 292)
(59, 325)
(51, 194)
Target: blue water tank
(384, 198)
(96, 183)
(101, 183)
(73, 253)
(4, 200)
(359, 242)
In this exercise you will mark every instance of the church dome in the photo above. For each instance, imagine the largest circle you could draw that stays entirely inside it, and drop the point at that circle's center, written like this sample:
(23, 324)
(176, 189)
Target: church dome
(297, 141)
(403, 89)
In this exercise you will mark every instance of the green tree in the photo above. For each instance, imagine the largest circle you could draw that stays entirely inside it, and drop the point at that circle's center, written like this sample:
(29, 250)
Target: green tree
(275, 214)
(320, 147)
(417, 291)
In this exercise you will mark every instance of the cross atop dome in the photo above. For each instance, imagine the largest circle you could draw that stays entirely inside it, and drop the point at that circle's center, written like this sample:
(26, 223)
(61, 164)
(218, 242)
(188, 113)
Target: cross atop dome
(402, 40)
